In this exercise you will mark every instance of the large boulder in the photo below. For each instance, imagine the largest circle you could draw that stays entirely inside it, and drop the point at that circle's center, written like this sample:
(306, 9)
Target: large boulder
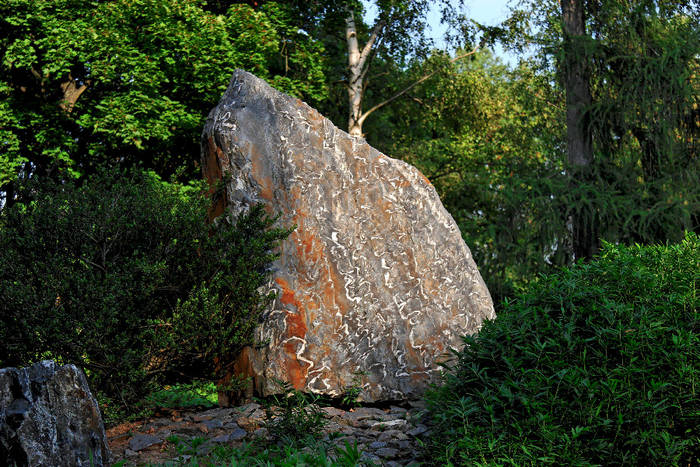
(48, 417)
(375, 285)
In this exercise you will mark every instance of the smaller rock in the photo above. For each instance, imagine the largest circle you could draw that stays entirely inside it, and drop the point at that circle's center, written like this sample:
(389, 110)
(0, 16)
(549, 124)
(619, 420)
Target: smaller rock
(141, 442)
(202, 417)
(260, 433)
(369, 457)
(249, 424)
(237, 434)
(129, 453)
(404, 444)
(221, 439)
(213, 424)
(387, 452)
(369, 412)
(248, 409)
(389, 423)
(418, 430)
(377, 445)
(333, 412)
(48, 416)
(218, 412)
(350, 440)
(391, 435)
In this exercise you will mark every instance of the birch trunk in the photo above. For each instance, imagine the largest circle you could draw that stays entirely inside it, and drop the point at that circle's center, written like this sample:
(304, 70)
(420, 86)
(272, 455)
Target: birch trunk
(356, 76)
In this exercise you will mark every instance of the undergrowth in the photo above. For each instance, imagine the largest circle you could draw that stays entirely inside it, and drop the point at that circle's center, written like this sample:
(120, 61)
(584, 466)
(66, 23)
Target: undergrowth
(596, 365)
(258, 453)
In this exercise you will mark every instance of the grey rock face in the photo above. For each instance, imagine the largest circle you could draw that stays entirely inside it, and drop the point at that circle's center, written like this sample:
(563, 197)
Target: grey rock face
(375, 281)
(48, 417)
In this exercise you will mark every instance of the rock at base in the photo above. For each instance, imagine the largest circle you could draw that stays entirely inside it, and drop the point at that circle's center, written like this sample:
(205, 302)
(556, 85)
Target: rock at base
(48, 417)
(375, 285)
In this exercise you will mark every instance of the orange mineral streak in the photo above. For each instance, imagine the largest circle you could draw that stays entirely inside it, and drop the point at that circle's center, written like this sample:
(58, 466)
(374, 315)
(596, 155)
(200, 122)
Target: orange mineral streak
(296, 327)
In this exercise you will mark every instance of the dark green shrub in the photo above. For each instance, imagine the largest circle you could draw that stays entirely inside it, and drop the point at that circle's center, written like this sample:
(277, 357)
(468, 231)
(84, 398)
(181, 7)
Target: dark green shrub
(596, 365)
(294, 417)
(122, 275)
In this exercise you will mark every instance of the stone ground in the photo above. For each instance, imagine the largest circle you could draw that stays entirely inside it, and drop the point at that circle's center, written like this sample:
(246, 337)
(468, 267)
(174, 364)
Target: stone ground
(386, 436)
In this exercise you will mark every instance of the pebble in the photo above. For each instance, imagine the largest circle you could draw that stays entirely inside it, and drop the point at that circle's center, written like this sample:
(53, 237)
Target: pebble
(213, 424)
(393, 435)
(377, 445)
(237, 434)
(418, 430)
(387, 452)
(221, 439)
(141, 442)
(388, 423)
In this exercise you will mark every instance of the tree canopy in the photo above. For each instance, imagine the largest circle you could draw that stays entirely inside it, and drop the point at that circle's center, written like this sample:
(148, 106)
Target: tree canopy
(129, 83)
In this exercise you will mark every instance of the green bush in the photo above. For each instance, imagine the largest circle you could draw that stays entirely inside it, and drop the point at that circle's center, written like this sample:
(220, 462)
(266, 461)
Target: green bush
(122, 275)
(194, 395)
(596, 365)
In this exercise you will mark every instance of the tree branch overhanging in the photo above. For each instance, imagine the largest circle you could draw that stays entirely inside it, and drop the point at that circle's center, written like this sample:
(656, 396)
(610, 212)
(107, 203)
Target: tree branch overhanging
(412, 85)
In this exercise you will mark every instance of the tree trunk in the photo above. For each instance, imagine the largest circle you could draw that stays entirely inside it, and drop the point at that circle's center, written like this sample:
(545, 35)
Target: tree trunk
(578, 94)
(355, 76)
(578, 133)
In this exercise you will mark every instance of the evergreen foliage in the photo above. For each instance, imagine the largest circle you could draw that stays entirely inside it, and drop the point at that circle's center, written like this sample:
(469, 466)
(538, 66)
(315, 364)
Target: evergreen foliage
(122, 275)
(596, 365)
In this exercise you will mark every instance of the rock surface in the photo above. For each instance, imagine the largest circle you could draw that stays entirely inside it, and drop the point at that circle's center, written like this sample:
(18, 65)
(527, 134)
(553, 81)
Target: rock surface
(49, 417)
(376, 280)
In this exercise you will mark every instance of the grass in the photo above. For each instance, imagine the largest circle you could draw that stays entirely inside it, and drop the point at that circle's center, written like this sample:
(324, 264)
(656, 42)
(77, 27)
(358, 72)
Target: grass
(198, 394)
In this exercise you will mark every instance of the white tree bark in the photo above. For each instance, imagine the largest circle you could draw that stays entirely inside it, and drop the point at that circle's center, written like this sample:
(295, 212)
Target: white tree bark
(358, 64)
(357, 68)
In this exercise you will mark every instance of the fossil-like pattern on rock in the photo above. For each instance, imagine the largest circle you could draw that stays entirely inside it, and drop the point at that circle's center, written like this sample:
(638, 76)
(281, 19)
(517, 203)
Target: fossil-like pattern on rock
(376, 280)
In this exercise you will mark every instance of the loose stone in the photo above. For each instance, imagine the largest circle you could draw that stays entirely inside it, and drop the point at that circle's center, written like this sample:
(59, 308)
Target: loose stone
(141, 442)
(386, 452)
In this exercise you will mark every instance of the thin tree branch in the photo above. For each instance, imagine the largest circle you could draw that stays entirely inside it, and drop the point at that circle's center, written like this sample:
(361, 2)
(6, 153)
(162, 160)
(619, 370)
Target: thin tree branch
(376, 31)
(369, 61)
(412, 85)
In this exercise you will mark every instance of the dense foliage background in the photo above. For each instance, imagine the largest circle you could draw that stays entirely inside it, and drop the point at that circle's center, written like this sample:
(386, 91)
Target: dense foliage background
(106, 258)
(128, 83)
